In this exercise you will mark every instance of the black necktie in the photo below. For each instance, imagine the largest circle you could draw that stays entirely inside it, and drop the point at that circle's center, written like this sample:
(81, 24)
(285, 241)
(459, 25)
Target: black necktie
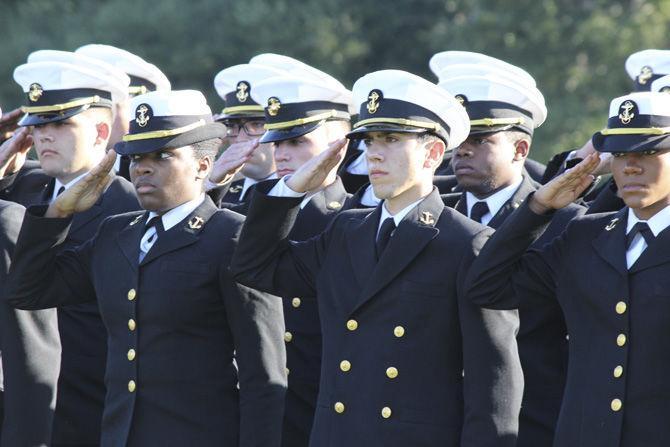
(479, 210)
(385, 232)
(157, 223)
(643, 229)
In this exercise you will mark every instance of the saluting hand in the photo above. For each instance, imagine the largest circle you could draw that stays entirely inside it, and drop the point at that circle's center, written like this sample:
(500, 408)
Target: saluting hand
(564, 189)
(86, 192)
(232, 160)
(312, 174)
(13, 151)
(8, 123)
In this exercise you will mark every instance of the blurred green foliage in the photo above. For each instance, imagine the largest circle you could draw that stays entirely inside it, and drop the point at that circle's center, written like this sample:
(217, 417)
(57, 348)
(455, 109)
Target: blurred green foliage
(574, 48)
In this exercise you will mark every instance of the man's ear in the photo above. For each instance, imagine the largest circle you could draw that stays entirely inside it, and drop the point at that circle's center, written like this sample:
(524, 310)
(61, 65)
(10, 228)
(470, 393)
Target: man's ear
(103, 130)
(521, 149)
(435, 154)
(204, 166)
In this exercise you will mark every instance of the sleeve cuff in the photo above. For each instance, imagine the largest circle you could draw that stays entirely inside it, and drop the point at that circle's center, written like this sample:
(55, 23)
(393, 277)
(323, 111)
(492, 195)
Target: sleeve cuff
(281, 189)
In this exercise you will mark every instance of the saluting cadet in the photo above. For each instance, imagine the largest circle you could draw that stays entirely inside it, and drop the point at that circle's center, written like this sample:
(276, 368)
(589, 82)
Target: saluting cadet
(608, 273)
(505, 107)
(406, 360)
(244, 119)
(68, 104)
(304, 115)
(441, 65)
(144, 77)
(175, 318)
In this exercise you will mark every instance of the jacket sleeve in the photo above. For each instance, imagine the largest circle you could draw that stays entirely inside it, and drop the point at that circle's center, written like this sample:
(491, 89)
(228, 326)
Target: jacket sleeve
(265, 259)
(506, 270)
(30, 352)
(42, 278)
(493, 380)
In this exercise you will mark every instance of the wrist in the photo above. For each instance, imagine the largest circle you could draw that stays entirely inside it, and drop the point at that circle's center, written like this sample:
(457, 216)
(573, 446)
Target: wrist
(56, 213)
(293, 186)
(537, 207)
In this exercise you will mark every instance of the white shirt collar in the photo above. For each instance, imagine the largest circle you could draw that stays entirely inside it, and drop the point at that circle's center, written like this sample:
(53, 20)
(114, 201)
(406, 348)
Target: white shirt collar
(494, 201)
(657, 223)
(179, 213)
(67, 186)
(369, 198)
(397, 217)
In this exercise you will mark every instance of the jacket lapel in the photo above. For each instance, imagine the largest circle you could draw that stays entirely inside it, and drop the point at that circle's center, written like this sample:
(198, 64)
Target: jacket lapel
(361, 245)
(415, 231)
(655, 254)
(525, 188)
(462, 205)
(129, 239)
(611, 243)
(184, 233)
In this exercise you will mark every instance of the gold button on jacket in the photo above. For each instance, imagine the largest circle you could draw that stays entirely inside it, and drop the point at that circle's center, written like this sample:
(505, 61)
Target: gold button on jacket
(616, 404)
(339, 407)
(345, 365)
(132, 294)
(386, 412)
(392, 372)
(131, 354)
(352, 325)
(131, 386)
(620, 307)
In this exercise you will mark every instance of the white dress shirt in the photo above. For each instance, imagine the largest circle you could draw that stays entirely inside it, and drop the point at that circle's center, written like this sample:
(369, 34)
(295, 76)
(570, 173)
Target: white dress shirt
(397, 217)
(67, 186)
(657, 223)
(494, 201)
(281, 189)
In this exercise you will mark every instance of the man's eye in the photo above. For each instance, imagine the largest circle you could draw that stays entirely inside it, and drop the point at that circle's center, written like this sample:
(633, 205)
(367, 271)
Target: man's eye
(164, 155)
(618, 154)
(481, 141)
(650, 152)
(134, 158)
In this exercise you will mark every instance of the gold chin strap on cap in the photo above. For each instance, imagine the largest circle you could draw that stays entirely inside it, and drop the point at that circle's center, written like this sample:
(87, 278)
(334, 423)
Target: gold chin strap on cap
(496, 121)
(238, 109)
(307, 120)
(163, 133)
(636, 131)
(60, 107)
(402, 121)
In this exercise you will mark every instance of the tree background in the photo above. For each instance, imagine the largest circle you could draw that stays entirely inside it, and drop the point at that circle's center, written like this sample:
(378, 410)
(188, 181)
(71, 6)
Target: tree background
(575, 49)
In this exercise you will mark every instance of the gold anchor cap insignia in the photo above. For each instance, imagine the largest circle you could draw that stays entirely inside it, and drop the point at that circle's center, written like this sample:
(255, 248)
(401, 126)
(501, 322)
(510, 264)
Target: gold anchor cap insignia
(627, 109)
(427, 218)
(273, 106)
(374, 97)
(143, 114)
(613, 223)
(35, 92)
(645, 75)
(461, 98)
(242, 91)
(234, 189)
(195, 222)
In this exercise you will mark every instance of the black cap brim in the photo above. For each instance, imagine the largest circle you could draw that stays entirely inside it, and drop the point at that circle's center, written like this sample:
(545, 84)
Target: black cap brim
(277, 135)
(629, 143)
(38, 119)
(206, 132)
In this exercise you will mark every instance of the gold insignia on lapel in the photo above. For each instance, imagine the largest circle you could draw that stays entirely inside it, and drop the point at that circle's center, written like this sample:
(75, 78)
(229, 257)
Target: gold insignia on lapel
(613, 223)
(143, 114)
(334, 205)
(136, 220)
(645, 75)
(427, 218)
(242, 91)
(35, 92)
(273, 106)
(235, 189)
(196, 222)
(373, 100)
(626, 109)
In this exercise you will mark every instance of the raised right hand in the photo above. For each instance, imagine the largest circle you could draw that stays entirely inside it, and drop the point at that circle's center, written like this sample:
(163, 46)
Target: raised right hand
(9, 122)
(13, 151)
(86, 192)
(566, 188)
(232, 160)
(311, 175)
